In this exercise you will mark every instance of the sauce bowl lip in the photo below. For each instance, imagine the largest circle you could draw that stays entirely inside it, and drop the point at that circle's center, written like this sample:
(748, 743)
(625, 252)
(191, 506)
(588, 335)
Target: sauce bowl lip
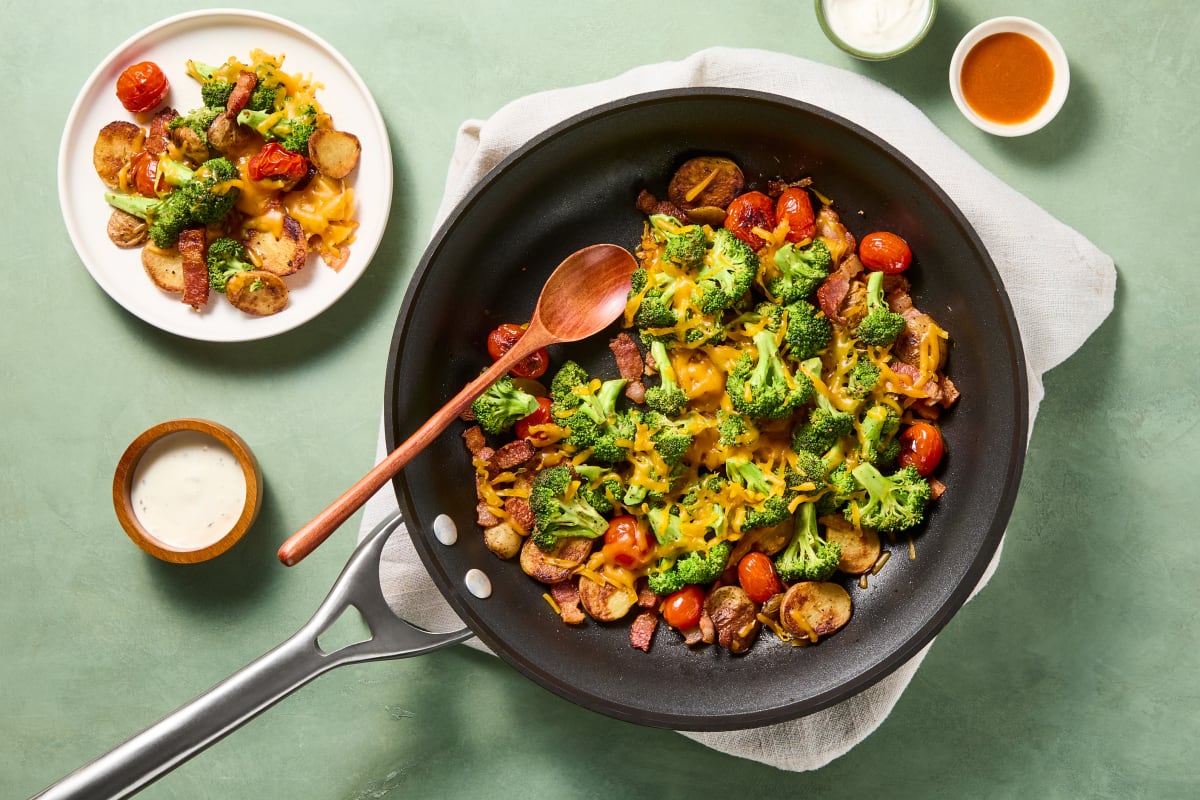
(123, 484)
(1054, 50)
(868, 55)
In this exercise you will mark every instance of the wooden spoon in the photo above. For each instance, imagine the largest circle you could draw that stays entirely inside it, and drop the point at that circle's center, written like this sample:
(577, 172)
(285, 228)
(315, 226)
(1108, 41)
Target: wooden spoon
(583, 296)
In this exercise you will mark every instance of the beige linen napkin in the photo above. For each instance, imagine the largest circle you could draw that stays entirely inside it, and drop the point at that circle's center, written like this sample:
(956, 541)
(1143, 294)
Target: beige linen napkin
(1022, 239)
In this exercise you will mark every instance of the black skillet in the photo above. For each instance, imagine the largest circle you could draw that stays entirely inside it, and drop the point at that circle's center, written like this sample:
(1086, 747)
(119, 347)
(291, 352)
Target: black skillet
(575, 185)
(572, 186)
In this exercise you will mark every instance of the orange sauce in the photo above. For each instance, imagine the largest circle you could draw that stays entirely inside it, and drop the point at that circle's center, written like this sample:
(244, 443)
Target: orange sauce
(1007, 78)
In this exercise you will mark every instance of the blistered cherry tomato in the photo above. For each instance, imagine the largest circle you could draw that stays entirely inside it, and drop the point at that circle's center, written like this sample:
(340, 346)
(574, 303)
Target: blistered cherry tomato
(757, 576)
(142, 87)
(921, 446)
(884, 252)
(273, 161)
(682, 609)
(502, 339)
(795, 207)
(627, 542)
(143, 173)
(747, 212)
(539, 417)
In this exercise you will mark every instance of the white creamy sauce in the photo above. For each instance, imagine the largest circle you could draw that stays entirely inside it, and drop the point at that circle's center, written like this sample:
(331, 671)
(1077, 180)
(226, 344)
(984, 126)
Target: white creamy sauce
(188, 490)
(444, 530)
(478, 583)
(876, 26)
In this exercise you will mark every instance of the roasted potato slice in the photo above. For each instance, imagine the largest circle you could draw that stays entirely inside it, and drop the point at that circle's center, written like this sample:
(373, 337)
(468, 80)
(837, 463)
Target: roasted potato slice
(281, 256)
(604, 602)
(503, 540)
(334, 153)
(165, 268)
(115, 145)
(707, 215)
(814, 608)
(125, 230)
(860, 548)
(706, 181)
(257, 292)
(556, 565)
(190, 143)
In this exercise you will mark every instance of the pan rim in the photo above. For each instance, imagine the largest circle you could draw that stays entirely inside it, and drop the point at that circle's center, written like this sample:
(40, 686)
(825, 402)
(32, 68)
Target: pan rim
(861, 680)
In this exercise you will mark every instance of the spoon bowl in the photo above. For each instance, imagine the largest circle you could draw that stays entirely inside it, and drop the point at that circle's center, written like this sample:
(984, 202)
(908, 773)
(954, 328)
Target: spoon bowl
(583, 296)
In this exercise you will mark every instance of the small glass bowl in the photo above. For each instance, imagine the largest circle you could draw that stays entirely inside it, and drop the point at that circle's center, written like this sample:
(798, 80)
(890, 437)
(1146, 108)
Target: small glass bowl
(869, 55)
(1045, 39)
(122, 491)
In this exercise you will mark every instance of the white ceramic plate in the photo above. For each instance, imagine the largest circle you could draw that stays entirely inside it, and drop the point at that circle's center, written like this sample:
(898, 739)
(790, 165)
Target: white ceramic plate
(212, 37)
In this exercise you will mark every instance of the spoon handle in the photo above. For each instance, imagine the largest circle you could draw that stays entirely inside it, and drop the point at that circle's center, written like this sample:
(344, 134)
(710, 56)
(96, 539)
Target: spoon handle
(311, 535)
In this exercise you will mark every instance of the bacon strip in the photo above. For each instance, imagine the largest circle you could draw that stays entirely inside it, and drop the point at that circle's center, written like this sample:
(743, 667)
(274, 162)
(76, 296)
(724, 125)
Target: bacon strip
(193, 246)
(246, 81)
(519, 512)
(642, 630)
(566, 595)
(474, 439)
(513, 454)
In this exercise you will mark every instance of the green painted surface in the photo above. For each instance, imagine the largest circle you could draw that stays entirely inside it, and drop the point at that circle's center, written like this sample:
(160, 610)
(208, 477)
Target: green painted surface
(1073, 674)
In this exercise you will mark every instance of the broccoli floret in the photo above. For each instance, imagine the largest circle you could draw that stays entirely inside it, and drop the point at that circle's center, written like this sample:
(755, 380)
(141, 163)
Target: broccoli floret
(807, 557)
(766, 315)
(881, 326)
(167, 217)
(810, 468)
(841, 485)
(263, 98)
(656, 309)
(664, 579)
(198, 189)
(501, 405)
(802, 270)
(198, 119)
(730, 274)
(878, 427)
(601, 487)
(670, 437)
(734, 429)
(591, 418)
(763, 387)
(664, 522)
(894, 503)
(215, 94)
(701, 568)
(637, 281)
(666, 398)
(686, 245)
(226, 258)
(562, 386)
(294, 132)
(808, 332)
(773, 509)
(862, 378)
(558, 516)
(824, 427)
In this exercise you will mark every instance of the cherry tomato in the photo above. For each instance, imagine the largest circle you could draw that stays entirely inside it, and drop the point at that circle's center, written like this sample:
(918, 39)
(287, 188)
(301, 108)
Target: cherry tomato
(541, 416)
(757, 576)
(502, 339)
(921, 446)
(884, 252)
(142, 87)
(795, 207)
(627, 542)
(747, 212)
(275, 162)
(682, 609)
(143, 173)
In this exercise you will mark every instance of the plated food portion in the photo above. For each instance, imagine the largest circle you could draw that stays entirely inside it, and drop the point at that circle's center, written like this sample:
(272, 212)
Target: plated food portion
(768, 424)
(232, 195)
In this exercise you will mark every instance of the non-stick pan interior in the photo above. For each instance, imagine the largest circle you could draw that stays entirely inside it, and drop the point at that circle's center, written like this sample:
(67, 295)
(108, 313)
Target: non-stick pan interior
(575, 186)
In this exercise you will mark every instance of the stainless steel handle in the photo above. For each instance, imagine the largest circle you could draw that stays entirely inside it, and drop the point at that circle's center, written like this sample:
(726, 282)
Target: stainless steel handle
(147, 756)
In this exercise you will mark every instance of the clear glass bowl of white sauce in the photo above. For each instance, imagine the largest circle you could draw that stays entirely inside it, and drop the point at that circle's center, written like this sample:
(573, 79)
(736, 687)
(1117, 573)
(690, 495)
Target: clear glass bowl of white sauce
(874, 30)
(187, 490)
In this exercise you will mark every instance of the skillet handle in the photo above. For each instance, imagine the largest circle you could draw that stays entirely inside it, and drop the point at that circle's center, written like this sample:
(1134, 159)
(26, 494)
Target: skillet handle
(147, 756)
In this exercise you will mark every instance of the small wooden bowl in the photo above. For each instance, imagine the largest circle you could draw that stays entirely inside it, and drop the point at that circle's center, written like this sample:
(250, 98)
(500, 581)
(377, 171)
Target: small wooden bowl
(123, 485)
